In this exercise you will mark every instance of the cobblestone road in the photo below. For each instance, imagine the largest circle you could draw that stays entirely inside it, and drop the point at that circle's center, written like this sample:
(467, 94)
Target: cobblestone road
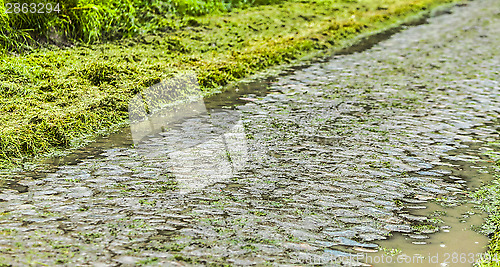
(335, 157)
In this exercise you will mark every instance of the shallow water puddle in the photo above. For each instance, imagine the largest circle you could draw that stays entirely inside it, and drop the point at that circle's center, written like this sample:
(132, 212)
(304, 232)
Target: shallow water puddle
(456, 244)
(453, 242)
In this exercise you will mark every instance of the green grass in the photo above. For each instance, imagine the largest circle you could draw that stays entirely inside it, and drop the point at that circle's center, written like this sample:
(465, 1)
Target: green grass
(90, 21)
(53, 97)
(488, 197)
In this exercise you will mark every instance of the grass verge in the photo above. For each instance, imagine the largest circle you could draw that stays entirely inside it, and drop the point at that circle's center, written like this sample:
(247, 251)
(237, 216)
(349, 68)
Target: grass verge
(488, 197)
(54, 96)
(24, 25)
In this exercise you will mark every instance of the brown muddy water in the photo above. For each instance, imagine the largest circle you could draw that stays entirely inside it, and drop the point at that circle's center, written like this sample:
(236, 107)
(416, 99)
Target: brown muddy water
(455, 241)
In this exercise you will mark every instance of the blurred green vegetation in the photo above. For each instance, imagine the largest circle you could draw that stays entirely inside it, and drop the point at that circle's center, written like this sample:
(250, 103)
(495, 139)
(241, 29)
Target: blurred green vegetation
(488, 197)
(90, 21)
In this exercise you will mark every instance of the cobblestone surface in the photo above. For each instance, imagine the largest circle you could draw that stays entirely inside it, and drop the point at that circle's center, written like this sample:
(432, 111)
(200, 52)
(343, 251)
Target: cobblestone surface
(335, 157)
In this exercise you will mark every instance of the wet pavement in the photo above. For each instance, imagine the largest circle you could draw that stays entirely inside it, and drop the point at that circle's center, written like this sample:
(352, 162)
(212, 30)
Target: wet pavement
(337, 157)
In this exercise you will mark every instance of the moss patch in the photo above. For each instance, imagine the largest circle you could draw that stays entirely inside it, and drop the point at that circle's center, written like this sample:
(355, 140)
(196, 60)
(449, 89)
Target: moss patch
(488, 197)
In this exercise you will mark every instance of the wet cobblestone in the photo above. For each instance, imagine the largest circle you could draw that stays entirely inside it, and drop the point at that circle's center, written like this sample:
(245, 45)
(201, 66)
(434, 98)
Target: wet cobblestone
(339, 155)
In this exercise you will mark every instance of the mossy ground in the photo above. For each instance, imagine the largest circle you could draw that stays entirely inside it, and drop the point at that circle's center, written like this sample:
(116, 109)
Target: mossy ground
(54, 96)
(488, 197)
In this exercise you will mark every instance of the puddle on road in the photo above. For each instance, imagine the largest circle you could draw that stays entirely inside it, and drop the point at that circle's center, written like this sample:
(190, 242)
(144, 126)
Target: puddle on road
(456, 243)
